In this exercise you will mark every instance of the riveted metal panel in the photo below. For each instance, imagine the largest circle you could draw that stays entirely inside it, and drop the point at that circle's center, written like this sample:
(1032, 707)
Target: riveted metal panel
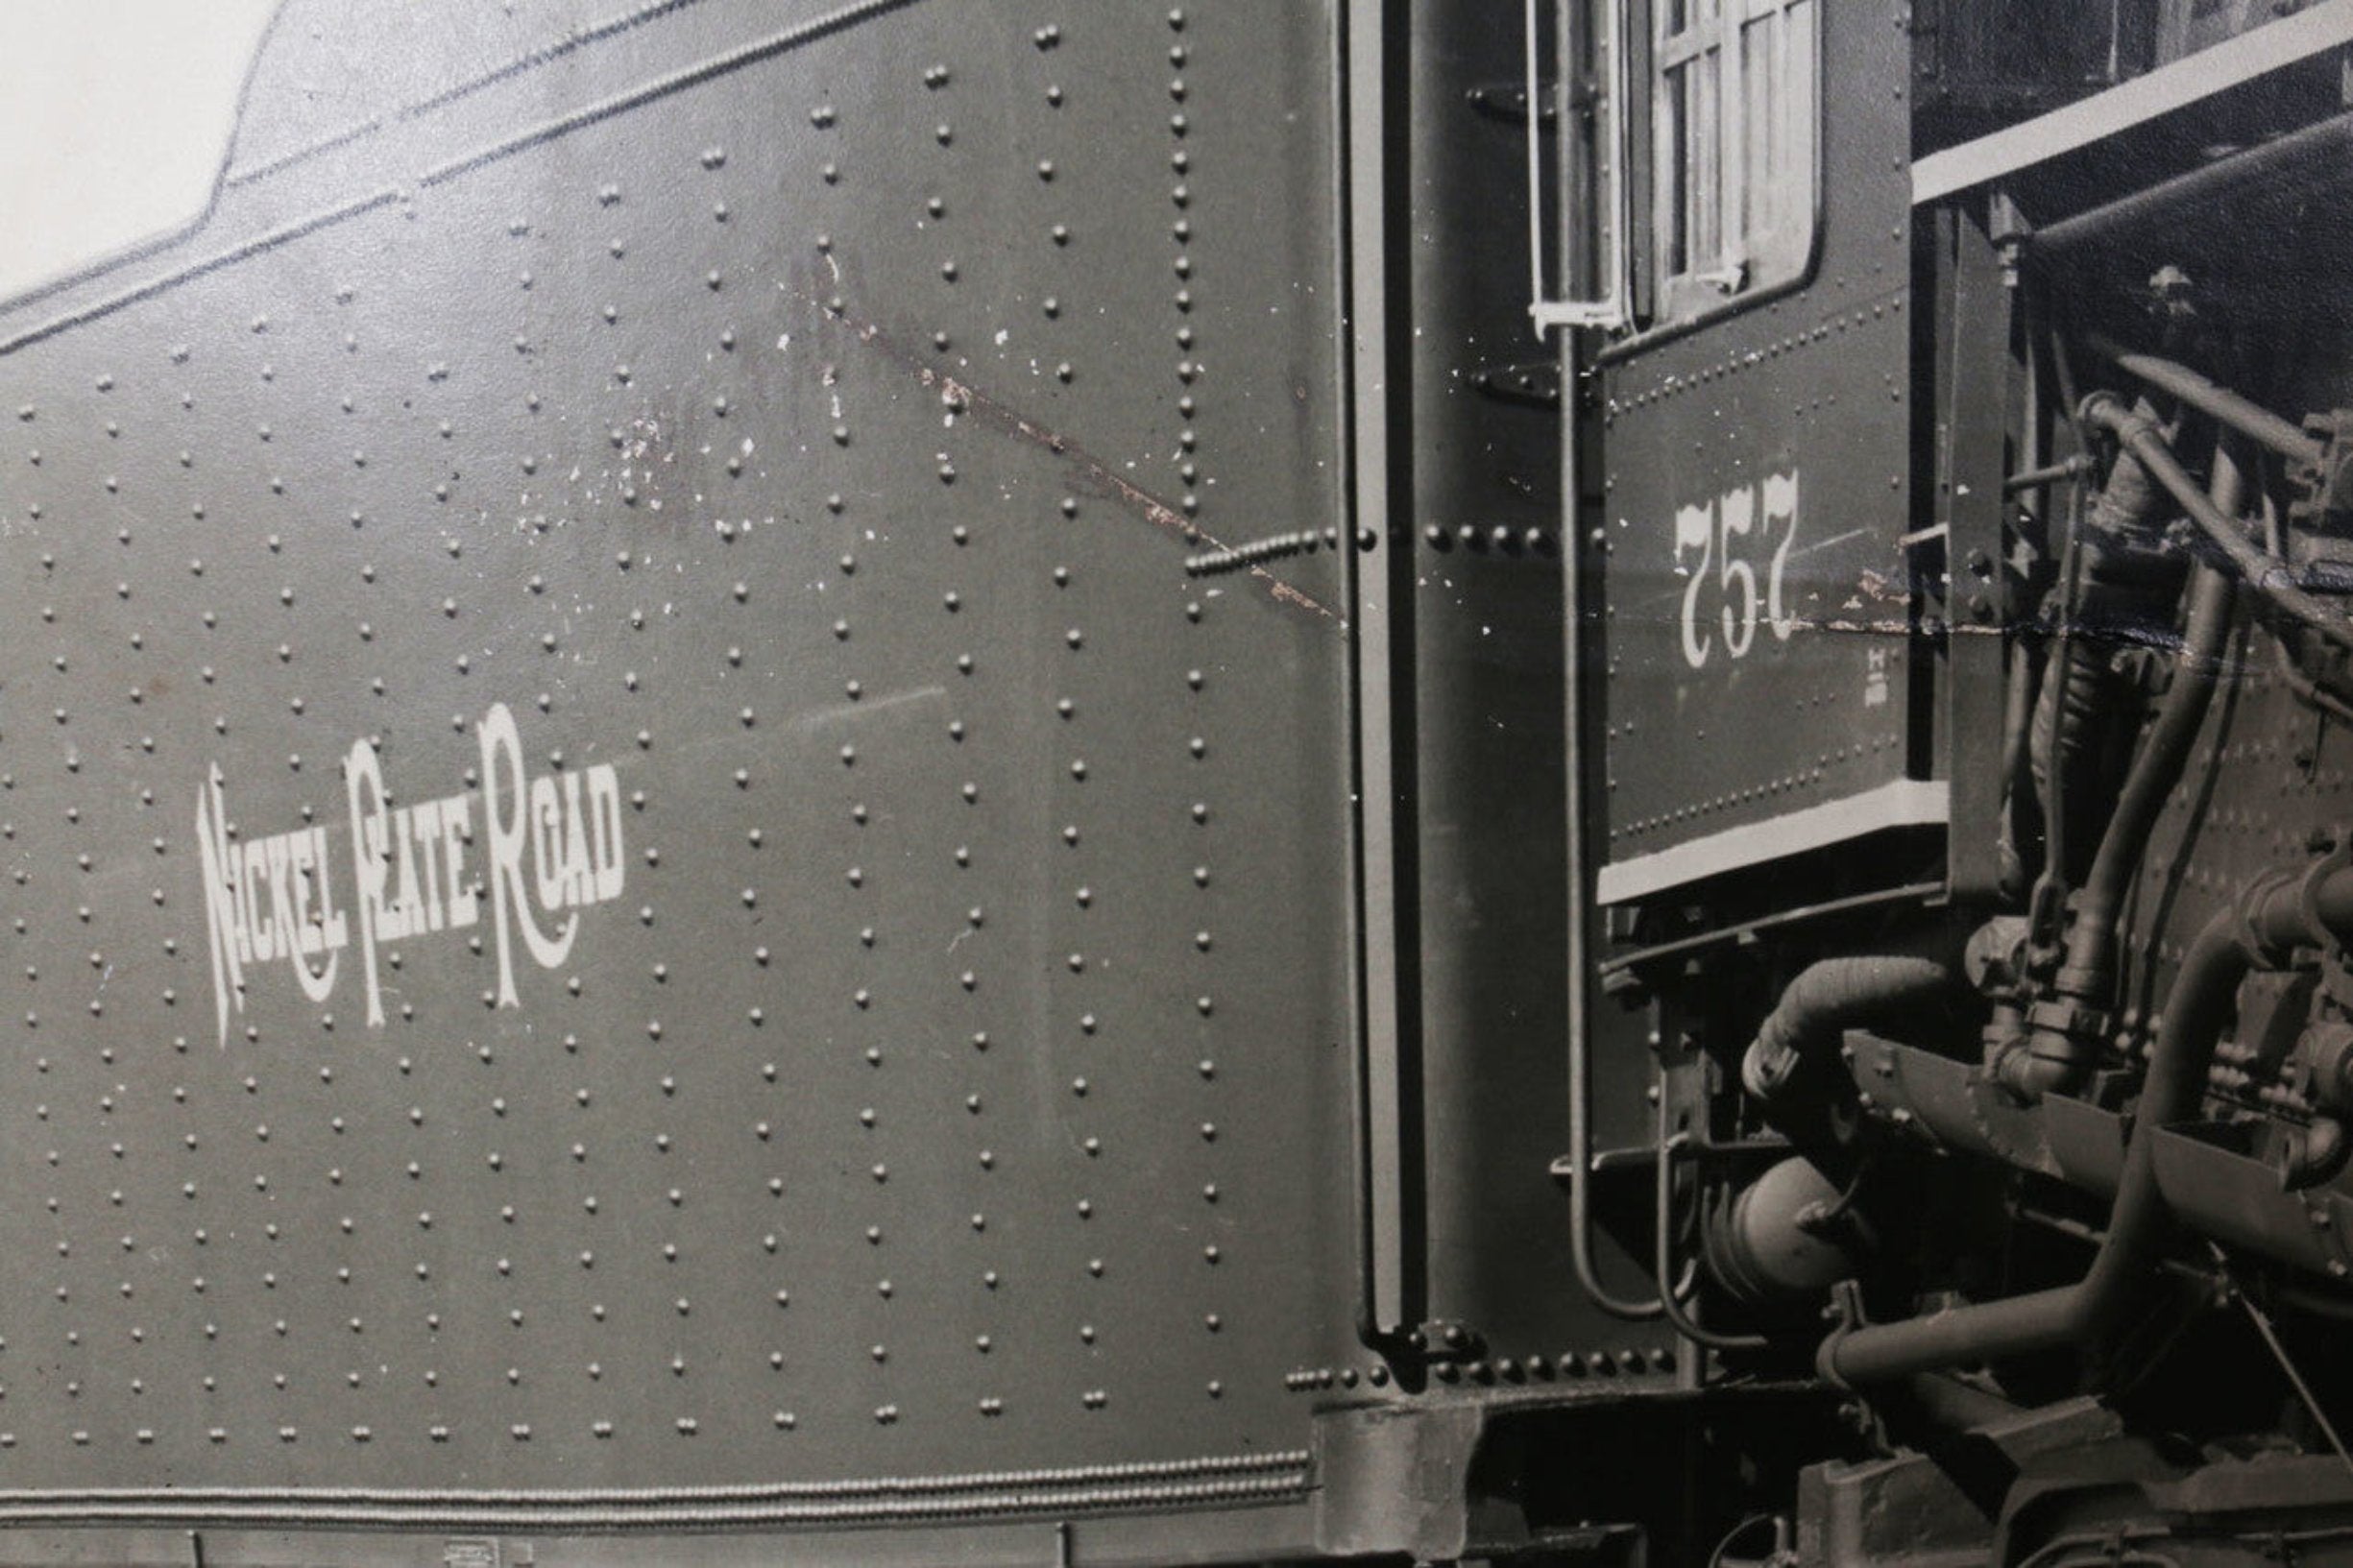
(1487, 617)
(873, 1045)
(1748, 688)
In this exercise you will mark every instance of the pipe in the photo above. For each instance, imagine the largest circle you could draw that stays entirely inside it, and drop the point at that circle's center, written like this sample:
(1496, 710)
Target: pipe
(2018, 704)
(2211, 399)
(1580, 902)
(2096, 595)
(1829, 998)
(2268, 576)
(2051, 473)
(2054, 1061)
(2066, 728)
(2307, 690)
(2196, 672)
(2279, 910)
(2051, 1062)
(2316, 1152)
(2322, 148)
(1662, 1245)
(2044, 772)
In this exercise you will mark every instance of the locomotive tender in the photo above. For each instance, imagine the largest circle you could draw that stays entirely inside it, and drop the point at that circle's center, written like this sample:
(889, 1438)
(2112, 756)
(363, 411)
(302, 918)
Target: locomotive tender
(1012, 779)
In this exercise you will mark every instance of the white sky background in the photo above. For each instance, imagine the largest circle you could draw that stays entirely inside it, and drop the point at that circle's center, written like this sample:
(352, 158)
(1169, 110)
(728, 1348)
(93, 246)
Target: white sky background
(114, 115)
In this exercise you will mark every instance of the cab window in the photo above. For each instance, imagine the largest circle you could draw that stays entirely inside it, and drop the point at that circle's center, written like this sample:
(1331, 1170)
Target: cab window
(1735, 106)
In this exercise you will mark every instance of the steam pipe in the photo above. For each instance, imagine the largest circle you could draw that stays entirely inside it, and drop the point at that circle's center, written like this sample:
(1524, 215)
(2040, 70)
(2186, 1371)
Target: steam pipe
(2053, 1062)
(2218, 403)
(2046, 763)
(2279, 910)
(2042, 478)
(2196, 672)
(2097, 593)
(2266, 574)
(2063, 730)
(2317, 151)
(2019, 697)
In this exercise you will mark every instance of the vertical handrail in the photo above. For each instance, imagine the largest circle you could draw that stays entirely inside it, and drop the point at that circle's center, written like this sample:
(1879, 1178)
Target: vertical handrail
(1388, 947)
(1537, 290)
(1607, 309)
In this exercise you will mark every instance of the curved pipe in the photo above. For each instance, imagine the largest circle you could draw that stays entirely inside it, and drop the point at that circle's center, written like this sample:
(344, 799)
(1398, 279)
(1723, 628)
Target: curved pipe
(2213, 399)
(1829, 998)
(2280, 910)
(2098, 602)
(2315, 1153)
(1663, 1243)
(2196, 672)
(1581, 1156)
(2051, 1062)
(2266, 574)
(1579, 902)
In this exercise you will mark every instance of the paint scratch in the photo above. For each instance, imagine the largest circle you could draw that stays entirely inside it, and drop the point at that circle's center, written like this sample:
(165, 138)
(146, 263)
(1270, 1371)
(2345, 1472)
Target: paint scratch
(997, 414)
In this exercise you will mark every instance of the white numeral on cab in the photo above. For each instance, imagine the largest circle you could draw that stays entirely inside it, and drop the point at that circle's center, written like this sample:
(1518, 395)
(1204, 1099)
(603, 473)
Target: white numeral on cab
(1716, 546)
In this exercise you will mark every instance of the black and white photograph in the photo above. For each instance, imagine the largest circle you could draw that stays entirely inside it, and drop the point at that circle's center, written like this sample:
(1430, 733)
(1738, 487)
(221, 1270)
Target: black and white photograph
(1101, 783)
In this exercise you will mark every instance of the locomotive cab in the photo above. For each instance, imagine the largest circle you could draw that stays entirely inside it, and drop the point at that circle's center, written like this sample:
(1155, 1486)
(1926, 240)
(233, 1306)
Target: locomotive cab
(1755, 439)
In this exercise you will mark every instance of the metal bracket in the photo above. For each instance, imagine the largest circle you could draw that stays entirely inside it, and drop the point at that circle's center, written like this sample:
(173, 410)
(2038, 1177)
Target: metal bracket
(1536, 384)
(1508, 101)
(1442, 1339)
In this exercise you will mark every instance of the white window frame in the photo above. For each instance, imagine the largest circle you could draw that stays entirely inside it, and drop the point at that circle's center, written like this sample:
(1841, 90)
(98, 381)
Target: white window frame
(1731, 251)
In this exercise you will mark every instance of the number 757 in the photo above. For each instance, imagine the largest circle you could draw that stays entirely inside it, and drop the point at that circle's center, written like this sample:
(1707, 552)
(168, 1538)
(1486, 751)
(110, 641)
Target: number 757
(1729, 534)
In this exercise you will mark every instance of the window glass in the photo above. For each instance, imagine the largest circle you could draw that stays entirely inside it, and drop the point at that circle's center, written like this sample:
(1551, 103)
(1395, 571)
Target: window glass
(1735, 109)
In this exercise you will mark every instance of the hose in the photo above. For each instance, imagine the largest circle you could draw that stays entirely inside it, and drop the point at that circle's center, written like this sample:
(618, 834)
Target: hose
(1829, 998)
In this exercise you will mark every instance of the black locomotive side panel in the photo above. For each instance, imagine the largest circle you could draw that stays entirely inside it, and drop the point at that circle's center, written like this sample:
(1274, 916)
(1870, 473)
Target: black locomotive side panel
(653, 839)
(1758, 476)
